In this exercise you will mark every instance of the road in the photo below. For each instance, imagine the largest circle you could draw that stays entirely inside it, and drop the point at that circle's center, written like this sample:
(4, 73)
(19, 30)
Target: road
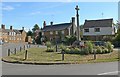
(110, 68)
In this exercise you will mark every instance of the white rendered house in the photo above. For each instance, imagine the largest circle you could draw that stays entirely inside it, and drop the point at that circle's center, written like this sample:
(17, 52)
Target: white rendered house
(96, 30)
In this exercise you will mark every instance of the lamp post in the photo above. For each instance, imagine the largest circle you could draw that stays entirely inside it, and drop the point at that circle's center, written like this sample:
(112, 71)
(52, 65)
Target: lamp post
(78, 28)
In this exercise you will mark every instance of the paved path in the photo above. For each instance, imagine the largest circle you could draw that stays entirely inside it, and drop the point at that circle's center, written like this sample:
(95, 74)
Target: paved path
(110, 68)
(12, 47)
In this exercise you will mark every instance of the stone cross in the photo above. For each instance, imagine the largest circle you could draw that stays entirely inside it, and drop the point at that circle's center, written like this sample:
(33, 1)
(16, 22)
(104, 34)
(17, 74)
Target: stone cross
(78, 27)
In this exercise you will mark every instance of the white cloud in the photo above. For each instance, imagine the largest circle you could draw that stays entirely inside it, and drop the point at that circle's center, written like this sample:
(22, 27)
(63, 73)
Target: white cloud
(34, 13)
(7, 8)
(27, 29)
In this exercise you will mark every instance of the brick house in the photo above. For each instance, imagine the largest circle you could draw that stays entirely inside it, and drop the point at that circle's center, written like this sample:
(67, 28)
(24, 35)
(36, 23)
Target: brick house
(12, 35)
(97, 30)
(58, 31)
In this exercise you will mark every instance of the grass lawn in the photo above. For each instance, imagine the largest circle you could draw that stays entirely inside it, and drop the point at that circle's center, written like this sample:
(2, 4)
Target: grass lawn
(39, 55)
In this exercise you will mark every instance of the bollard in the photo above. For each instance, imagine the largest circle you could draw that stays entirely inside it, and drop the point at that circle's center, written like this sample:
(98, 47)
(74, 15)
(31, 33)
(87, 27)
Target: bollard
(29, 46)
(8, 52)
(20, 48)
(25, 54)
(15, 50)
(62, 55)
(56, 48)
(94, 55)
(24, 47)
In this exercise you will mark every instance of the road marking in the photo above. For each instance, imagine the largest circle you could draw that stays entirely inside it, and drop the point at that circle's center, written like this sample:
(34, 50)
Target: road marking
(107, 73)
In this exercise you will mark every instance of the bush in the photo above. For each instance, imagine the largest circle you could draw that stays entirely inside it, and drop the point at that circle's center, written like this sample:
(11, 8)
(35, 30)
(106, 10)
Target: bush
(48, 44)
(62, 47)
(89, 47)
(72, 51)
(76, 50)
(105, 50)
(98, 50)
(109, 46)
(70, 39)
(50, 50)
(85, 51)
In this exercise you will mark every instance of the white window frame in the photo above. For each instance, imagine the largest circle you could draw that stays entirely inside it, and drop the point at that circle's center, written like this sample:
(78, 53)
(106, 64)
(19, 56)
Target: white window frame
(63, 32)
(56, 32)
(51, 32)
(42, 33)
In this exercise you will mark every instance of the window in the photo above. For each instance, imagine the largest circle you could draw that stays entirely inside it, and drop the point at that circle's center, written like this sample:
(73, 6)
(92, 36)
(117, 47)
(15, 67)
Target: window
(97, 29)
(56, 32)
(42, 33)
(63, 32)
(14, 38)
(14, 33)
(51, 32)
(19, 38)
(10, 38)
(86, 30)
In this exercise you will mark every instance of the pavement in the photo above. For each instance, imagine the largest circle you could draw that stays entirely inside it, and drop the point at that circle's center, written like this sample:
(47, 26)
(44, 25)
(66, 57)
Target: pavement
(12, 47)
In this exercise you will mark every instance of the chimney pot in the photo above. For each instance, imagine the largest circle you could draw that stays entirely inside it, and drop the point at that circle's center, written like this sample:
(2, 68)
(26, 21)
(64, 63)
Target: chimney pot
(3, 26)
(22, 28)
(44, 24)
(11, 28)
(51, 23)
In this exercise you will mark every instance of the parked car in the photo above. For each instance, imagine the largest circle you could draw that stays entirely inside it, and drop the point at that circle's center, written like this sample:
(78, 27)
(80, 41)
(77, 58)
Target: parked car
(99, 43)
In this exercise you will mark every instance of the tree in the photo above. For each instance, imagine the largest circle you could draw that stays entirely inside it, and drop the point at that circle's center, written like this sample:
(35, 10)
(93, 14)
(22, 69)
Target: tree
(118, 36)
(29, 33)
(36, 27)
(36, 34)
(38, 39)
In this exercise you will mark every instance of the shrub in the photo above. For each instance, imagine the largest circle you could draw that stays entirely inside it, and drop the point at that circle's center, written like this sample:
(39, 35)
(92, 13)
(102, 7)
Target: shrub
(85, 51)
(72, 51)
(109, 46)
(89, 47)
(50, 50)
(98, 50)
(70, 39)
(76, 50)
(67, 50)
(62, 47)
(105, 50)
(48, 44)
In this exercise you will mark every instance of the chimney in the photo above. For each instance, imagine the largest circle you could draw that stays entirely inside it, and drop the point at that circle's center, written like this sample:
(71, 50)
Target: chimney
(73, 20)
(73, 25)
(44, 24)
(11, 28)
(3, 26)
(22, 28)
(51, 23)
